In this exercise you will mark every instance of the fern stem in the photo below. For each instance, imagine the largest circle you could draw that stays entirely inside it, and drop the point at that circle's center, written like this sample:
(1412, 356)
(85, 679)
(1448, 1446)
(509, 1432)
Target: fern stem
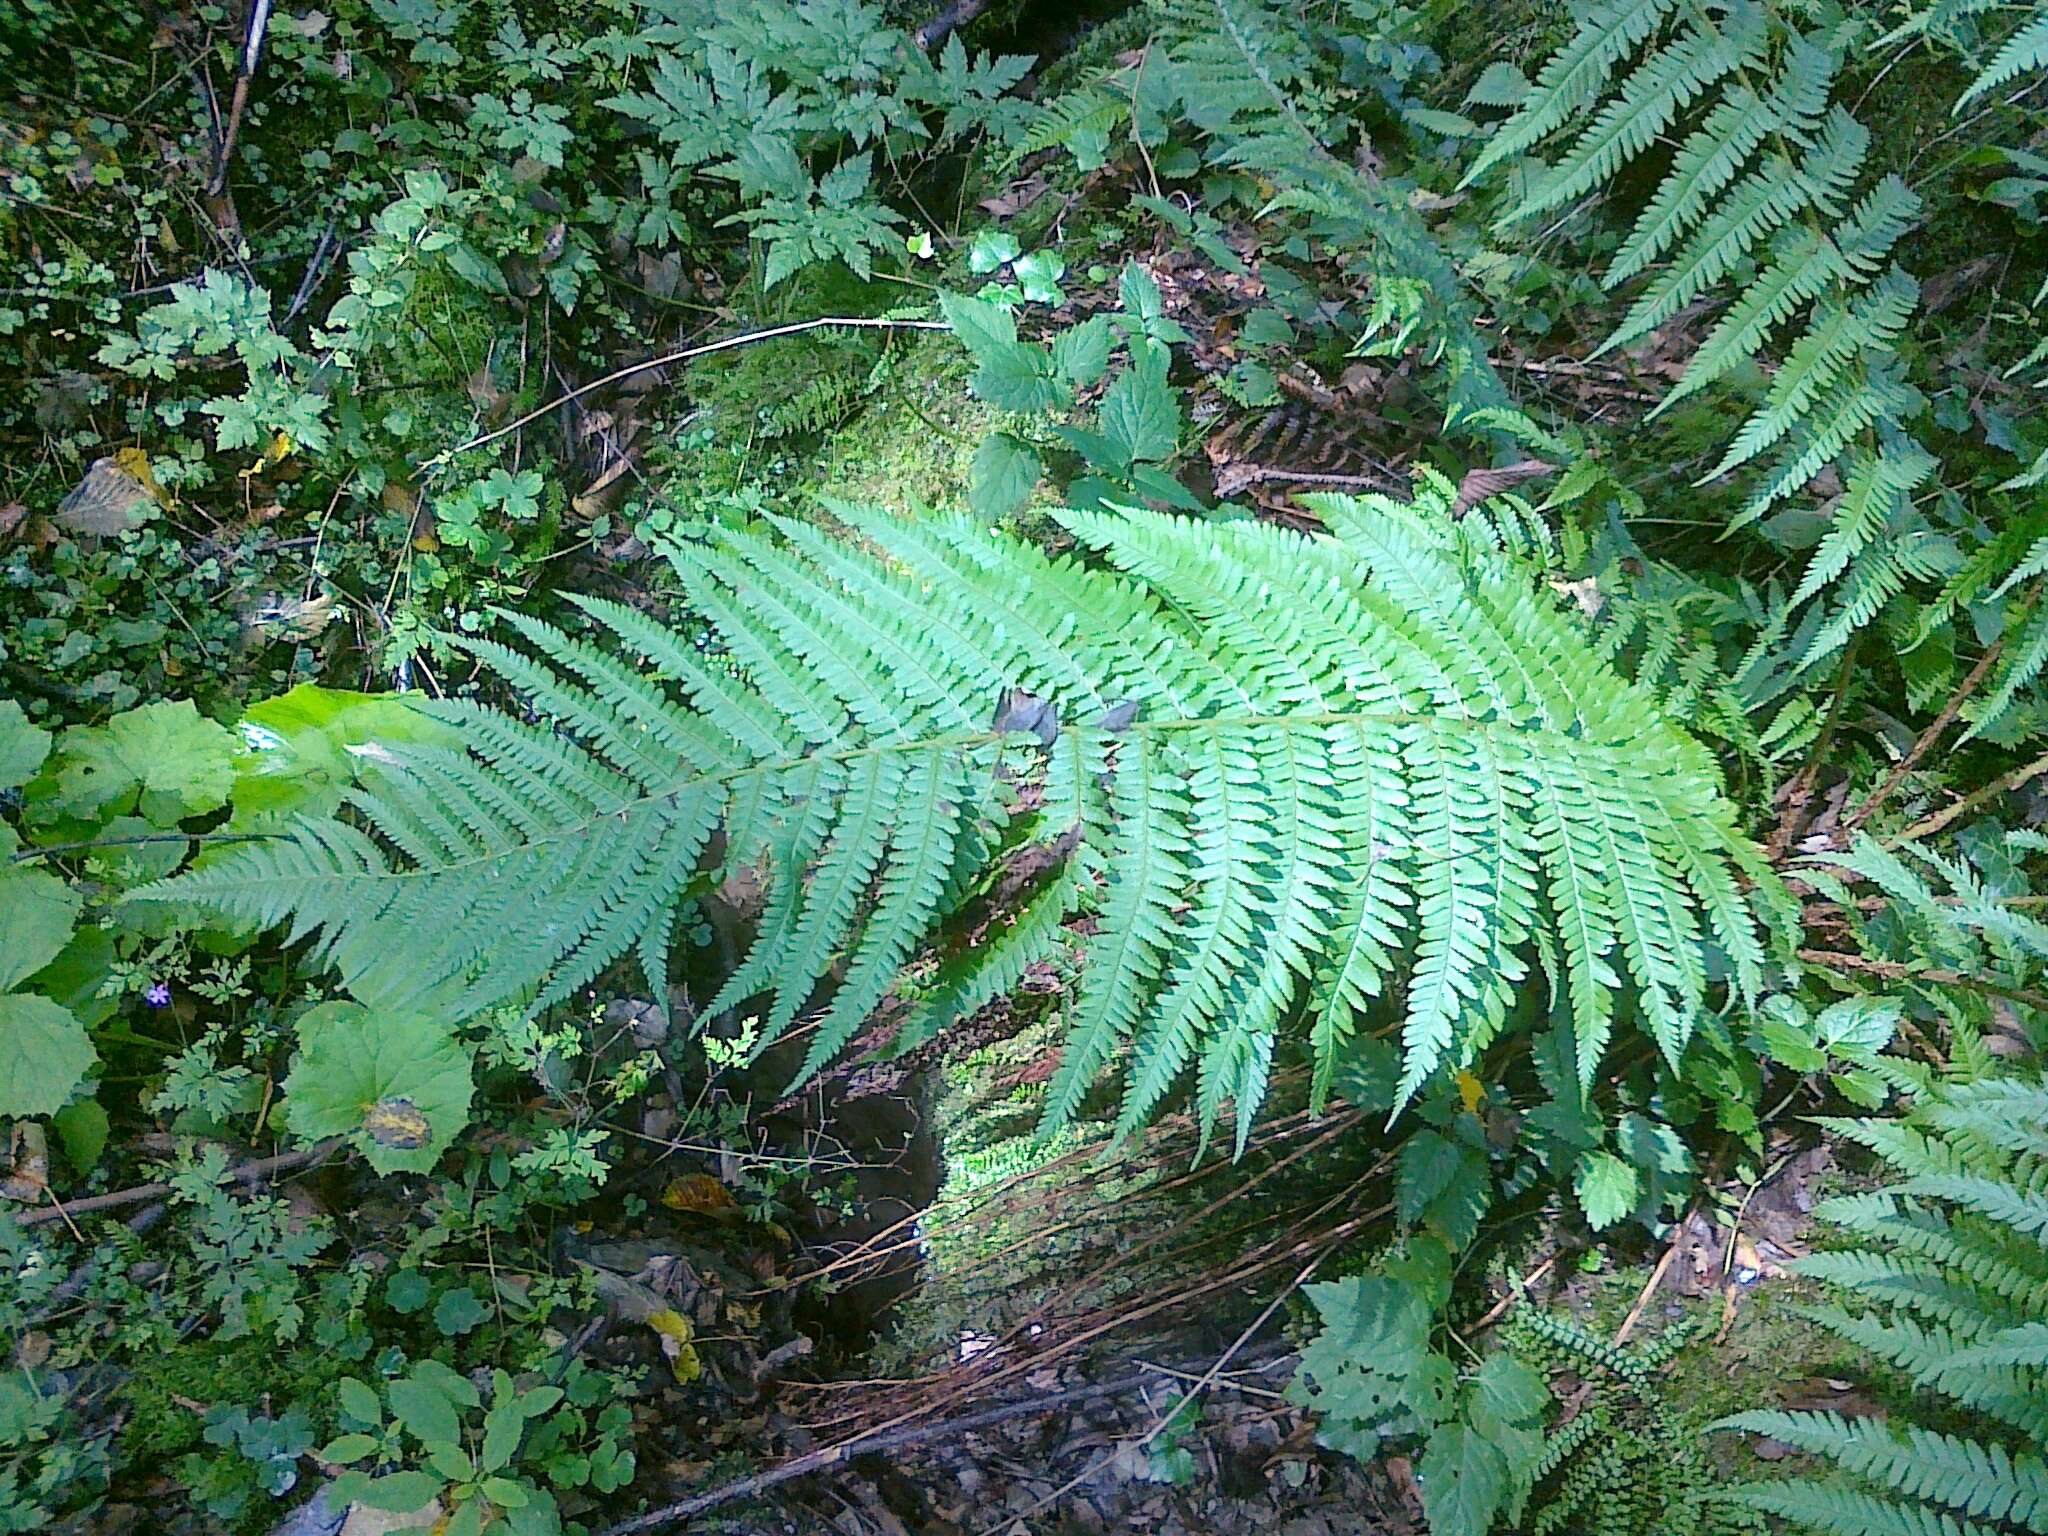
(747, 338)
(2003, 785)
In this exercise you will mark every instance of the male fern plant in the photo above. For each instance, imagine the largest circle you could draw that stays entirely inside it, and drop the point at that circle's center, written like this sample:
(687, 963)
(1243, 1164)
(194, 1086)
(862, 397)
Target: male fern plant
(1764, 205)
(1952, 1272)
(1288, 775)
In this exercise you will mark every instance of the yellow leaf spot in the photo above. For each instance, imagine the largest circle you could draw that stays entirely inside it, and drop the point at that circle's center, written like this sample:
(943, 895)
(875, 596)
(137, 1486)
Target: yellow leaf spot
(1472, 1091)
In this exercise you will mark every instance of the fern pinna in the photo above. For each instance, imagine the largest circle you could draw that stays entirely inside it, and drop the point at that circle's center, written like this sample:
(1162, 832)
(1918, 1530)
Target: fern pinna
(1766, 180)
(1276, 764)
(1955, 1287)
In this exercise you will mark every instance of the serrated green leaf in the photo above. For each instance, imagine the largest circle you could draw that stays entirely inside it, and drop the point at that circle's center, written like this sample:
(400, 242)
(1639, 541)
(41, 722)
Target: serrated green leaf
(22, 746)
(164, 761)
(402, 1492)
(40, 912)
(44, 1054)
(1012, 375)
(1464, 1479)
(351, 1061)
(1607, 1187)
(1140, 414)
(1509, 1389)
(1005, 473)
(1081, 352)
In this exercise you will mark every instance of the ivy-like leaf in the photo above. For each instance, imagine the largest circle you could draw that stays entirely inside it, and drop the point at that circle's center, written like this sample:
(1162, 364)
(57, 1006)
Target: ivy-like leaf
(40, 913)
(44, 1054)
(354, 1066)
(165, 760)
(22, 746)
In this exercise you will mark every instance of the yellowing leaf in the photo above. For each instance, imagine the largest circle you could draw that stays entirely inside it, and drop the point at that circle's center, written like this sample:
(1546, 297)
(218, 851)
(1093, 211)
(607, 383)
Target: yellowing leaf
(698, 1192)
(1471, 1091)
(676, 1334)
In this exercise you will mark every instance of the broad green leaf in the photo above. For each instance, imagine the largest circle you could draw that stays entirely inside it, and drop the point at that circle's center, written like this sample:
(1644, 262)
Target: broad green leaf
(397, 1087)
(1464, 1478)
(343, 1449)
(22, 746)
(76, 976)
(992, 248)
(1081, 352)
(44, 1054)
(1039, 276)
(507, 1494)
(1607, 1188)
(1858, 1025)
(458, 1312)
(304, 749)
(504, 1427)
(359, 1400)
(37, 914)
(1012, 375)
(423, 1403)
(82, 1128)
(165, 761)
(1005, 473)
(402, 1492)
(1139, 412)
(1509, 1390)
(407, 1291)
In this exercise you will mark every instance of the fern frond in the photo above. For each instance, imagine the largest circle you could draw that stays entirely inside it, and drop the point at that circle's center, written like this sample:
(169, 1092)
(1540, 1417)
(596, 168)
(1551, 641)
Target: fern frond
(2026, 49)
(1958, 1299)
(1981, 1481)
(1286, 770)
(1761, 197)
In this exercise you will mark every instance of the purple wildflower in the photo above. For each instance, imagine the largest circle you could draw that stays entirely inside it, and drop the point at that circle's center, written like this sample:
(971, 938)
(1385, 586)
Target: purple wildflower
(159, 995)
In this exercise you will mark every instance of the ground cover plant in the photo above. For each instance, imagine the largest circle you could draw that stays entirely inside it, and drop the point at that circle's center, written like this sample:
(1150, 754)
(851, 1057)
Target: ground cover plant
(1191, 765)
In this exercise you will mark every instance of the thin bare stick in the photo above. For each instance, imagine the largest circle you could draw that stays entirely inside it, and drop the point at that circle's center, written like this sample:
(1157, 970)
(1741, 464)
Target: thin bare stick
(2019, 778)
(1927, 738)
(847, 322)
(1516, 1292)
(248, 1173)
(865, 1445)
(1635, 1313)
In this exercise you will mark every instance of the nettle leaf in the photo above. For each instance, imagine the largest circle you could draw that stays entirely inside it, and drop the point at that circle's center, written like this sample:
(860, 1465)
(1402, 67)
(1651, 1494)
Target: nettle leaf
(1005, 474)
(41, 911)
(44, 1054)
(358, 1073)
(1012, 375)
(1140, 415)
(1607, 1188)
(1464, 1480)
(165, 760)
(1081, 352)
(22, 746)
